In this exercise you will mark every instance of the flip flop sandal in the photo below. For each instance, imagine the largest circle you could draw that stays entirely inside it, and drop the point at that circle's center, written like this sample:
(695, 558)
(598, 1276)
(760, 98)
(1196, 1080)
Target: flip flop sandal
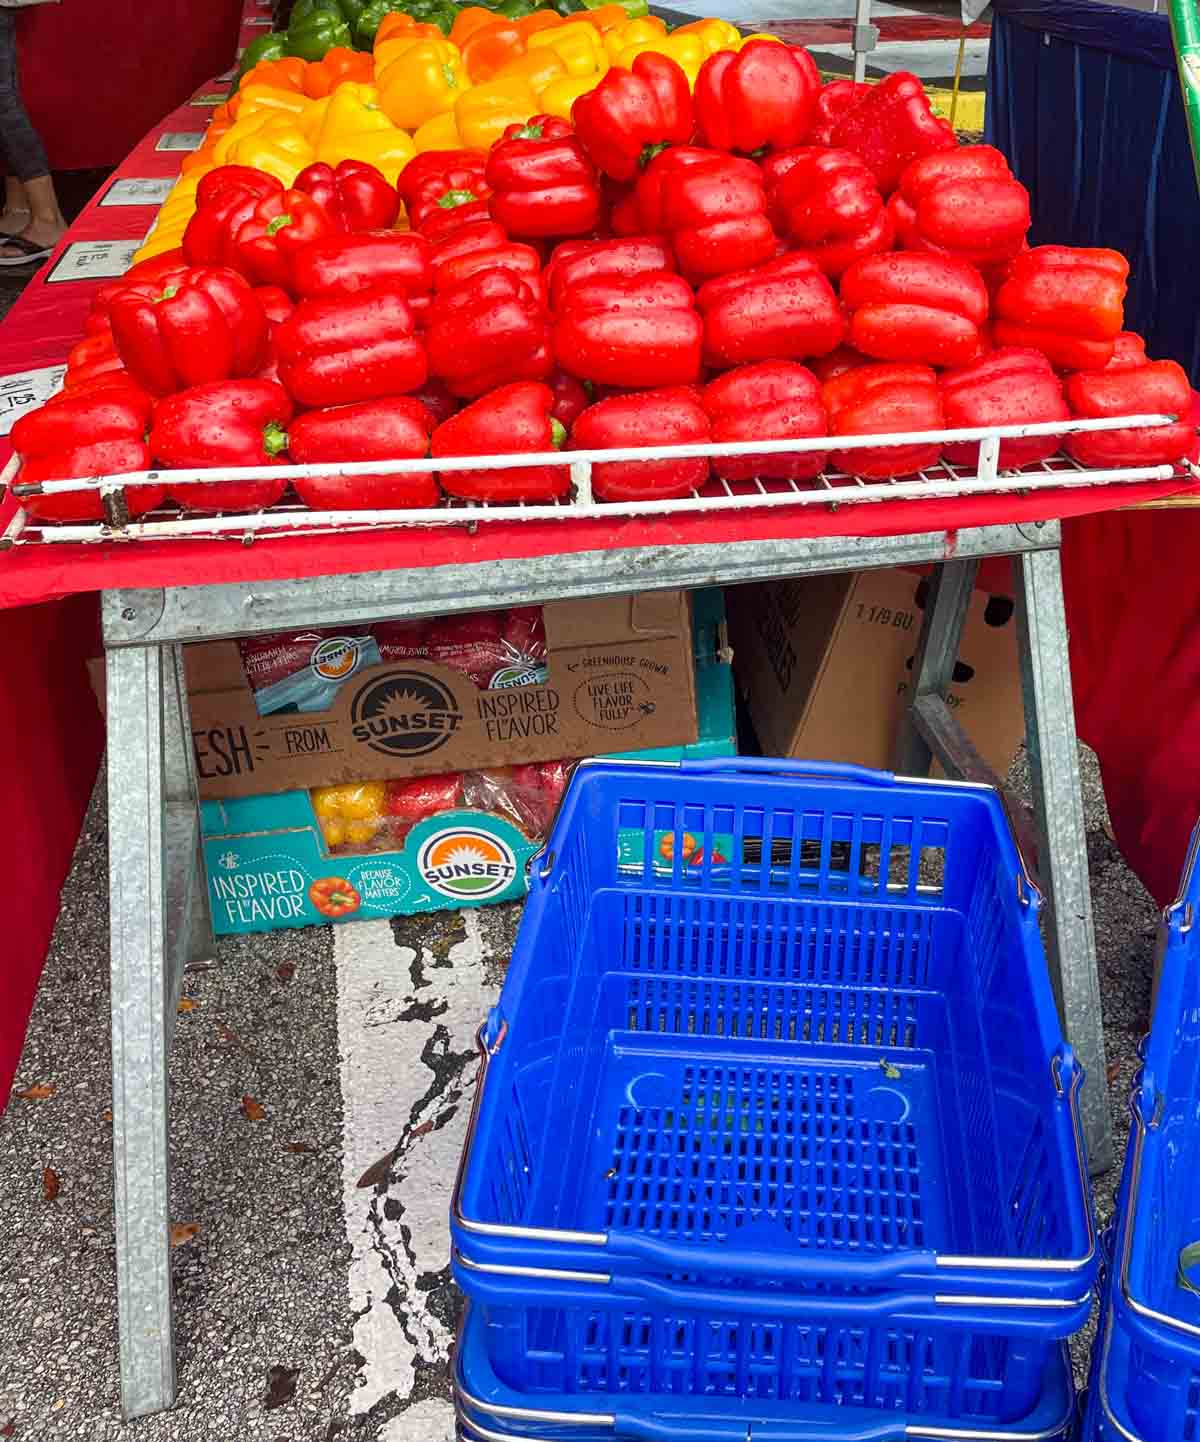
(30, 251)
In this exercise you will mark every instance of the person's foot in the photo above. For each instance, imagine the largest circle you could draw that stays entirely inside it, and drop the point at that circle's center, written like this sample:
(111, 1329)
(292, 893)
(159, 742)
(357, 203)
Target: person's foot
(34, 243)
(13, 222)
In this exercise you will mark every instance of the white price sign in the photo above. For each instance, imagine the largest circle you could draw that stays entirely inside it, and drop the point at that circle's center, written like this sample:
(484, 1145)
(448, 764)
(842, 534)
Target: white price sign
(258, 20)
(180, 140)
(138, 190)
(25, 390)
(94, 260)
(215, 97)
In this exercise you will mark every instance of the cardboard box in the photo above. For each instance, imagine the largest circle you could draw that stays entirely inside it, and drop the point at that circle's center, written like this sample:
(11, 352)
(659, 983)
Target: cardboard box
(619, 677)
(268, 866)
(825, 664)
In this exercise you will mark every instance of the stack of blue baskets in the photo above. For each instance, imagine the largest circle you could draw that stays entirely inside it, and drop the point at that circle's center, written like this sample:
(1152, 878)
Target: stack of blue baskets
(1145, 1382)
(777, 1136)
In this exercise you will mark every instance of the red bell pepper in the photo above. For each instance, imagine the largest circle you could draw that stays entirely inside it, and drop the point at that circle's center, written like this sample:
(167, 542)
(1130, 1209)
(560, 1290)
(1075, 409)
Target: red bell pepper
(964, 202)
(396, 428)
(225, 423)
(1004, 387)
(640, 330)
(884, 399)
(831, 208)
(1156, 388)
(648, 188)
(346, 264)
(891, 127)
(435, 396)
(94, 355)
(355, 195)
(770, 401)
(1129, 350)
(408, 802)
(470, 644)
(837, 363)
(542, 182)
(912, 307)
(1068, 303)
(669, 417)
(571, 398)
(277, 230)
(716, 215)
(101, 432)
(783, 310)
(452, 198)
(225, 200)
(435, 162)
(466, 240)
(354, 348)
(147, 272)
(506, 422)
(516, 258)
(576, 260)
(834, 101)
(633, 114)
(204, 325)
(763, 95)
(624, 214)
(489, 330)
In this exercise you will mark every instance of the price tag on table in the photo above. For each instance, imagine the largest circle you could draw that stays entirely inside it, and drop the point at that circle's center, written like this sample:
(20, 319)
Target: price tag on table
(25, 390)
(257, 20)
(138, 190)
(214, 97)
(93, 260)
(224, 79)
(180, 140)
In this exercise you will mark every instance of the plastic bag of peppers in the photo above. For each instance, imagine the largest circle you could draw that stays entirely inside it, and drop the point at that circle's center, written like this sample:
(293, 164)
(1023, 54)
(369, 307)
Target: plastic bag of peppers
(754, 256)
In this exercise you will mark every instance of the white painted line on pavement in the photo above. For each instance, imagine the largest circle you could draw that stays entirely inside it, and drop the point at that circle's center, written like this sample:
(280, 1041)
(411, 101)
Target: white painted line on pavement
(406, 1031)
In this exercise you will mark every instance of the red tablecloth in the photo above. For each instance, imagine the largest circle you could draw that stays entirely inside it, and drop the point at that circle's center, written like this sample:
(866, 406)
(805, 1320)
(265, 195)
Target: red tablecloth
(1134, 611)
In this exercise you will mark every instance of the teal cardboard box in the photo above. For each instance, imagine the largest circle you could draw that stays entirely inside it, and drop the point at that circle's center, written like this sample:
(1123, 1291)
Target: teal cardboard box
(268, 866)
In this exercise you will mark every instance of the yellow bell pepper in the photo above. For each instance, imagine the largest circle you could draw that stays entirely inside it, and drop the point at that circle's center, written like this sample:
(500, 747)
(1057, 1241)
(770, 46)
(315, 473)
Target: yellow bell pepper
(392, 48)
(440, 133)
(270, 97)
(759, 35)
(241, 128)
(427, 79)
(350, 814)
(355, 128)
(485, 111)
(537, 69)
(648, 28)
(716, 34)
(311, 122)
(560, 95)
(279, 149)
(687, 51)
(577, 44)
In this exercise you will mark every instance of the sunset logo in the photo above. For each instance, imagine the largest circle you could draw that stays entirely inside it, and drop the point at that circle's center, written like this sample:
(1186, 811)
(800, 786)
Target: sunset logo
(466, 864)
(336, 657)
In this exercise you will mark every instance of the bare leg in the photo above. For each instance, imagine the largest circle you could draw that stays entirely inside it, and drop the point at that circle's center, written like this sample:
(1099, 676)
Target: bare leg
(47, 224)
(16, 207)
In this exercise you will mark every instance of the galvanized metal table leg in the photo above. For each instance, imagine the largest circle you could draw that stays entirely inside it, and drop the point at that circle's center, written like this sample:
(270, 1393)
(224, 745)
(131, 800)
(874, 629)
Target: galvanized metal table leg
(190, 911)
(137, 794)
(1058, 808)
(950, 591)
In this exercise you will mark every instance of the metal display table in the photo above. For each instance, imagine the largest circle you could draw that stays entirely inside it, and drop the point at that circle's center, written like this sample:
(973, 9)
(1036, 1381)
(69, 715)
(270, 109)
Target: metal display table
(457, 559)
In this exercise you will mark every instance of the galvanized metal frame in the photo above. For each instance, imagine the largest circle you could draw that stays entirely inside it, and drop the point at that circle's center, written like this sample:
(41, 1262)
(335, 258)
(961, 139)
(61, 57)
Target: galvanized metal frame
(158, 894)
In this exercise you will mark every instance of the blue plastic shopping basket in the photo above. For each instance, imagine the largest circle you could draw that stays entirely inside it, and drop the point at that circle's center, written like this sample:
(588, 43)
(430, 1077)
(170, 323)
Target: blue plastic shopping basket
(780, 1025)
(490, 1412)
(1147, 1378)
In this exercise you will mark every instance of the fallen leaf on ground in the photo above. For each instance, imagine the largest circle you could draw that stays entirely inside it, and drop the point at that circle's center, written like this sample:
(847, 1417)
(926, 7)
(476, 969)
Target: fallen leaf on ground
(51, 1186)
(421, 1131)
(107, 1115)
(187, 1003)
(183, 1232)
(1112, 1071)
(378, 1171)
(8, 1428)
(39, 1093)
(281, 1386)
(299, 1147)
(252, 1111)
(285, 970)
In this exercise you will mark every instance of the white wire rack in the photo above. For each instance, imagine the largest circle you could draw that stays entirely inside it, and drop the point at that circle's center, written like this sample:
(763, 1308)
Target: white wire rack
(830, 489)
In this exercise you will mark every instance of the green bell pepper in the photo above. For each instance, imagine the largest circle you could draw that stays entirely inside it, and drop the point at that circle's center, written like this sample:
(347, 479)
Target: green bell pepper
(272, 46)
(516, 9)
(368, 22)
(635, 9)
(312, 36)
(302, 9)
(567, 7)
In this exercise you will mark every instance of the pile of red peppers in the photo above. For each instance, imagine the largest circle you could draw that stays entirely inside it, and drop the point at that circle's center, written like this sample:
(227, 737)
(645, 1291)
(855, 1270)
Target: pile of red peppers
(764, 258)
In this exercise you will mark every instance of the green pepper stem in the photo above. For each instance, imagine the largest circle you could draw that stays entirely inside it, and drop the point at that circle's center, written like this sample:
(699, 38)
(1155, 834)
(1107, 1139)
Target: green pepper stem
(558, 433)
(274, 438)
(453, 198)
(276, 225)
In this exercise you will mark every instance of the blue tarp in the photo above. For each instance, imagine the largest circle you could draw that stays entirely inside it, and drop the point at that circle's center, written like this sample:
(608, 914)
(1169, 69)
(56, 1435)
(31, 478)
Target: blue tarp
(1083, 99)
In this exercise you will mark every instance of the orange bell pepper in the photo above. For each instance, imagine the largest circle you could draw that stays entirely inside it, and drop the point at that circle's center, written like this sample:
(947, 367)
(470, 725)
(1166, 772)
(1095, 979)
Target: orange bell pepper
(338, 65)
(286, 74)
(539, 20)
(396, 45)
(605, 17)
(485, 111)
(491, 48)
(537, 68)
(576, 44)
(423, 82)
(469, 19)
(396, 23)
